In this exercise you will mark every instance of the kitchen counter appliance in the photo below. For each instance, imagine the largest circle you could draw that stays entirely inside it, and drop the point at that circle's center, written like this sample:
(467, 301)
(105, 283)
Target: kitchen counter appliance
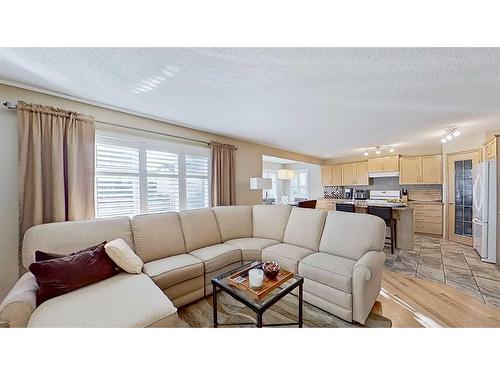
(361, 194)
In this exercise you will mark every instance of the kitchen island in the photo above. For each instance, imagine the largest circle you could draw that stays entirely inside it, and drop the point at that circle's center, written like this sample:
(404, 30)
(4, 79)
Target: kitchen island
(405, 229)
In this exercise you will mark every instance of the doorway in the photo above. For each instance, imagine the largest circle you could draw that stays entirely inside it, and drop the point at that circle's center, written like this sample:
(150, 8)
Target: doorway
(459, 203)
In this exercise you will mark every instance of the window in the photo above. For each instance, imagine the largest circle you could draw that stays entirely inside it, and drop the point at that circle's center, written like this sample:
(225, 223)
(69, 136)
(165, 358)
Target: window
(140, 175)
(300, 184)
(273, 192)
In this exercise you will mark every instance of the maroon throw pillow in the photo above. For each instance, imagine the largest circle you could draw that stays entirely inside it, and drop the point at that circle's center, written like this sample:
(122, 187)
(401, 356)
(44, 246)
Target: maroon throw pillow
(40, 256)
(58, 276)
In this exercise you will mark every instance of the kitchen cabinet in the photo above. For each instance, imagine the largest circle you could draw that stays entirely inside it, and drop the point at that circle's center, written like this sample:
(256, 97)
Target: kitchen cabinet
(421, 170)
(326, 175)
(428, 217)
(432, 169)
(490, 149)
(355, 174)
(361, 173)
(337, 175)
(331, 175)
(348, 176)
(383, 164)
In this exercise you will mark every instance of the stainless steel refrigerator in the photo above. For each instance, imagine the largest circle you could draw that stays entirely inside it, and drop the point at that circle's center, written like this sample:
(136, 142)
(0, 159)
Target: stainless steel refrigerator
(484, 222)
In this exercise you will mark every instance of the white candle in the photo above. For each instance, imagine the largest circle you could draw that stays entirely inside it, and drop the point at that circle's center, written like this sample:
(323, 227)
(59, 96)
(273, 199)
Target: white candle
(256, 278)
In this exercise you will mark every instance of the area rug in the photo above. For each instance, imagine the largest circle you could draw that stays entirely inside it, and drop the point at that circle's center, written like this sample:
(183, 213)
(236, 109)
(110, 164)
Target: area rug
(199, 314)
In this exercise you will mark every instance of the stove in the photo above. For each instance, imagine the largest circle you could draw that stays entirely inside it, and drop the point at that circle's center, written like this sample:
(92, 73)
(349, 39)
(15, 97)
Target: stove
(380, 198)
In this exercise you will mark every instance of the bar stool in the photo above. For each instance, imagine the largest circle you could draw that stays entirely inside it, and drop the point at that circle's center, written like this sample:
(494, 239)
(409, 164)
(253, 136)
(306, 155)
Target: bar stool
(385, 213)
(346, 207)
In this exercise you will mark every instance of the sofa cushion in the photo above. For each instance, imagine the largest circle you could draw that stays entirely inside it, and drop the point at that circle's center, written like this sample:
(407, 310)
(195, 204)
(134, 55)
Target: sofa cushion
(331, 270)
(234, 221)
(251, 248)
(351, 235)
(217, 256)
(200, 228)
(173, 270)
(124, 300)
(304, 227)
(68, 236)
(124, 256)
(286, 255)
(269, 221)
(158, 236)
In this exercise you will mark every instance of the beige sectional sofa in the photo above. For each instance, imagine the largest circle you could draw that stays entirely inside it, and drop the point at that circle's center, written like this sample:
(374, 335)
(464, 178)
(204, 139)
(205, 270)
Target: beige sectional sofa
(338, 254)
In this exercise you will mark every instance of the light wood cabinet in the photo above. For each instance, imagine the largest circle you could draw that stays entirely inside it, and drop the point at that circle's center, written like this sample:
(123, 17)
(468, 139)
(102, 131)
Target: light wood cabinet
(490, 149)
(324, 204)
(383, 164)
(421, 170)
(409, 170)
(326, 175)
(361, 173)
(337, 175)
(428, 217)
(355, 173)
(432, 169)
(331, 175)
(348, 174)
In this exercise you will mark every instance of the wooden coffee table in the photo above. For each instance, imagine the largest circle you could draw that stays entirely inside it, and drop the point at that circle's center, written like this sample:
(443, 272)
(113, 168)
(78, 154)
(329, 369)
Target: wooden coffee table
(259, 306)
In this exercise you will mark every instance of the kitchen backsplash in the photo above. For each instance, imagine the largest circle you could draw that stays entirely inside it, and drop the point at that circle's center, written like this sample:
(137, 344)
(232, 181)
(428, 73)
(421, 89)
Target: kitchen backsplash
(335, 192)
(380, 183)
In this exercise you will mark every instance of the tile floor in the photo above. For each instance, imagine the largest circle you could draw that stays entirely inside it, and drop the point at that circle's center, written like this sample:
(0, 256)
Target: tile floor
(448, 263)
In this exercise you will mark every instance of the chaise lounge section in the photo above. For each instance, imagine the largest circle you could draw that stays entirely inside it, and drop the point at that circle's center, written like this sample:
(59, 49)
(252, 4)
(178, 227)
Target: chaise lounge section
(341, 264)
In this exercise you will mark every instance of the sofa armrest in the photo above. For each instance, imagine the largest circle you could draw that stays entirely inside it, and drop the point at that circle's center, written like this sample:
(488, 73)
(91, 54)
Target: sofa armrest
(366, 283)
(20, 302)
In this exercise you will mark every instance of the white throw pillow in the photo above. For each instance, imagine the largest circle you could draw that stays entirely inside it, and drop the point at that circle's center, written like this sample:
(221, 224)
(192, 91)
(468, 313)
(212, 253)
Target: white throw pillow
(125, 258)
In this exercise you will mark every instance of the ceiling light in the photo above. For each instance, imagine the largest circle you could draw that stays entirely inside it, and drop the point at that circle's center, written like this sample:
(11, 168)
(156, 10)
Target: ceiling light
(391, 149)
(444, 140)
(285, 174)
(456, 133)
(366, 153)
(377, 151)
(449, 137)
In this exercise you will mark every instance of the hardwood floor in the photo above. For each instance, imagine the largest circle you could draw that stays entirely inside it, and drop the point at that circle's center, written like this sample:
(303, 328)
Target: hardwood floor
(412, 302)
(449, 263)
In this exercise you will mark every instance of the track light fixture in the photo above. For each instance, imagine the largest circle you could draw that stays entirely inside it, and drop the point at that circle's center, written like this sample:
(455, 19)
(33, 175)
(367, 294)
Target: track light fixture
(450, 133)
(378, 150)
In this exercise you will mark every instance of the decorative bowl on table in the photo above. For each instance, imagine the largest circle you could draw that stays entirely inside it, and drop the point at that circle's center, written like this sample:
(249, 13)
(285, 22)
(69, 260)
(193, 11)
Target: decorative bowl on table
(271, 270)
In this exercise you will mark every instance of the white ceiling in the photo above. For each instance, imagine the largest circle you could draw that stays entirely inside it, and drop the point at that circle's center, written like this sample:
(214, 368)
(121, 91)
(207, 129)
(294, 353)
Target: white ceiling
(329, 102)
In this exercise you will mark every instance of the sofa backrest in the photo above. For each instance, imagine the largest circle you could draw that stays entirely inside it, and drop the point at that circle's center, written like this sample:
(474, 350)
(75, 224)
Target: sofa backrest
(234, 221)
(69, 236)
(305, 227)
(200, 228)
(158, 236)
(269, 221)
(352, 235)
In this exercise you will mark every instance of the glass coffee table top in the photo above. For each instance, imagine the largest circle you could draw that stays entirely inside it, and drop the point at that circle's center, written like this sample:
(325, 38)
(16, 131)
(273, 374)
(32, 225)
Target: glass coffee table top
(222, 282)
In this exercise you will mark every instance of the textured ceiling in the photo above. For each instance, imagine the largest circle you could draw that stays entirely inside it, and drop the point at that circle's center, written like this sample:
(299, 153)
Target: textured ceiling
(329, 102)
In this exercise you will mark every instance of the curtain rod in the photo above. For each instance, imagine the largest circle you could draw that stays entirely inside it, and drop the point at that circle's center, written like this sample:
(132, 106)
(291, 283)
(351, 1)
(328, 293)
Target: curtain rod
(11, 105)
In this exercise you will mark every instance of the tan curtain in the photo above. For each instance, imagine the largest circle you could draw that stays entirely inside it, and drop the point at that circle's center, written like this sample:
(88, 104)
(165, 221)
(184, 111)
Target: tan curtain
(223, 174)
(55, 165)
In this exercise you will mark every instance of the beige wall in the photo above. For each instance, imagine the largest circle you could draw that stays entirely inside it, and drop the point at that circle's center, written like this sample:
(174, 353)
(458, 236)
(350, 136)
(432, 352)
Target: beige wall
(248, 163)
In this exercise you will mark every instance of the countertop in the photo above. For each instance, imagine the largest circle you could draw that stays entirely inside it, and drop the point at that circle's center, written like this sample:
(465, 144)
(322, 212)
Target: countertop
(361, 203)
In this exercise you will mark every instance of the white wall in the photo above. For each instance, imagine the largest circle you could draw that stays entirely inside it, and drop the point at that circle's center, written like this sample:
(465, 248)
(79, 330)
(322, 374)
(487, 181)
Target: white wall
(315, 184)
